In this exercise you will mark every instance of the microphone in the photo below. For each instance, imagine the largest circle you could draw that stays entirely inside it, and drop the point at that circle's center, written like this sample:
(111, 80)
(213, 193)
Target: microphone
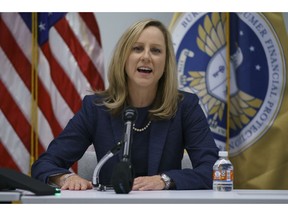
(129, 117)
(123, 175)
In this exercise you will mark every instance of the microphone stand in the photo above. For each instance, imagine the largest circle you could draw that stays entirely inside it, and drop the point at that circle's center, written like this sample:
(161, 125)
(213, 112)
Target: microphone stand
(123, 175)
(109, 154)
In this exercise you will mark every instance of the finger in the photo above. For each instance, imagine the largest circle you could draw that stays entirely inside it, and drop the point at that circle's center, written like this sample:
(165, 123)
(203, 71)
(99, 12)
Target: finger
(71, 186)
(85, 185)
(90, 185)
(66, 186)
(77, 186)
(136, 186)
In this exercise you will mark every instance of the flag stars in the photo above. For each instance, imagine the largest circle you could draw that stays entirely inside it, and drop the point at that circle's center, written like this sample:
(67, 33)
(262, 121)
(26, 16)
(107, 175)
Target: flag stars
(258, 67)
(241, 33)
(252, 48)
(42, 26)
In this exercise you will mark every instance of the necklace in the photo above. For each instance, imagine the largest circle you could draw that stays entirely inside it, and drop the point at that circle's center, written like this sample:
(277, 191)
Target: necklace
(141, 129)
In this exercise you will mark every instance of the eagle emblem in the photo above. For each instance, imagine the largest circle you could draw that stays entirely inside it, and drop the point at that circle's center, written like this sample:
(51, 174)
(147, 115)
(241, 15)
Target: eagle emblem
(211, 85)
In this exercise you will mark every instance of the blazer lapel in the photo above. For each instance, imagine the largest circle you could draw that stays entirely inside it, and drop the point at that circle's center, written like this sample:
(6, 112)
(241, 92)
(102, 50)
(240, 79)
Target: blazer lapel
(158, 134)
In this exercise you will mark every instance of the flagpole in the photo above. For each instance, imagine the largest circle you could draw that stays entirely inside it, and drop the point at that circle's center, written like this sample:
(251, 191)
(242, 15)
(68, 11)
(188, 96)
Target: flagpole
(34, 91)
(228, 80)
(36, 85)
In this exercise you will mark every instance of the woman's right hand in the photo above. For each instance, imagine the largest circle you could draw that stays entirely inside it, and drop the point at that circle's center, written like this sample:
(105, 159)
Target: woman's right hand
(71, 182)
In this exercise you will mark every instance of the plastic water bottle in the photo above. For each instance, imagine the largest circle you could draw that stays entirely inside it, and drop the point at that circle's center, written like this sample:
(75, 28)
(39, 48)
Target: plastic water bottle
(223, 173)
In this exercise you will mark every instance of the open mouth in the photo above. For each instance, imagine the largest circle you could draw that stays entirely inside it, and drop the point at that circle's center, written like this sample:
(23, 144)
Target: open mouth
(144, 70)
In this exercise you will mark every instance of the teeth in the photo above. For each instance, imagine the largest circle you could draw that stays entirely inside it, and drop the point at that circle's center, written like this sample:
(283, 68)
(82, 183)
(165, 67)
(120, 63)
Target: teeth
(144, 69)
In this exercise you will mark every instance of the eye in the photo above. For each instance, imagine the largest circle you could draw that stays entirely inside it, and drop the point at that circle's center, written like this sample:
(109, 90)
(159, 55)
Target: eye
(137, 48)
(156, 50)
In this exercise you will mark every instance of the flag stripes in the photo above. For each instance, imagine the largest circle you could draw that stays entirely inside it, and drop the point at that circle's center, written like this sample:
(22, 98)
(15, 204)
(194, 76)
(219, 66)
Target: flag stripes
(70, 64)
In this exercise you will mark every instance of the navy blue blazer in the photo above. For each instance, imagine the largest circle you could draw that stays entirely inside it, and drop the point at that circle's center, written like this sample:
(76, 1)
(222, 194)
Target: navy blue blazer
(93, 124)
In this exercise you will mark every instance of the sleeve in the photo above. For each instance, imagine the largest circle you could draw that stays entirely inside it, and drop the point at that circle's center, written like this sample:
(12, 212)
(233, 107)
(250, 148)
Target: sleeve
(69, 146)
(200, 146)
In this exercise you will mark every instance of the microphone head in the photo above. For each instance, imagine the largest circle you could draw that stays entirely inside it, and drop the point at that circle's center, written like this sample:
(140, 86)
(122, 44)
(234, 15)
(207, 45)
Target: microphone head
(122, 177)
(129, 114)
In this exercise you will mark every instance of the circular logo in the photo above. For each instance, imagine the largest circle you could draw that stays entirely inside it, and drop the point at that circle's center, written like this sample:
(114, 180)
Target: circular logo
(252, 94)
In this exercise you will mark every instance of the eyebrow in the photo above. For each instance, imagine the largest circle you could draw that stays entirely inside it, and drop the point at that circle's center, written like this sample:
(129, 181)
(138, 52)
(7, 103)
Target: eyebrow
(154, 44)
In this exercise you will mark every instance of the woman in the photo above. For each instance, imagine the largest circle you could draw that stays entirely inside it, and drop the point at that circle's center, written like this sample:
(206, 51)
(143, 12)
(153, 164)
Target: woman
(142, 74)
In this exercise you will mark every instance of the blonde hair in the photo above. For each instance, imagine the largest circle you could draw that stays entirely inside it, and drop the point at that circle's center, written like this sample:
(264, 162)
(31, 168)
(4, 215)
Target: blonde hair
(167, 96)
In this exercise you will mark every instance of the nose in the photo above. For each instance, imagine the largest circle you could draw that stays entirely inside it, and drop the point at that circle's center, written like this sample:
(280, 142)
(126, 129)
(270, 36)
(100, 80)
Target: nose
(146, 56)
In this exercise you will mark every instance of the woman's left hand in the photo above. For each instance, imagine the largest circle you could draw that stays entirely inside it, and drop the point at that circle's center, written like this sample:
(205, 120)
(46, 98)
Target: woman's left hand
(144, 183)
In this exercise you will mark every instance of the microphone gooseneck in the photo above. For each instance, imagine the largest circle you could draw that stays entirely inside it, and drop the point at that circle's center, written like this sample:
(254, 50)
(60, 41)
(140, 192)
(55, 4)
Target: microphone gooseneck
(109, 154)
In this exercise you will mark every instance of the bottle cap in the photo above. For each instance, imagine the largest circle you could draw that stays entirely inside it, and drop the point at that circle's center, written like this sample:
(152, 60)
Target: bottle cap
(223, 154)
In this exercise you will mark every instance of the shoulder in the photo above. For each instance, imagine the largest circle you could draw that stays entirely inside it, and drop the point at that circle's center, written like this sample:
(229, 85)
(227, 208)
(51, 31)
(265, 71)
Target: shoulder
(191, 113)
(189, 105)
(188, 98)
(93, 101)
(93, 98)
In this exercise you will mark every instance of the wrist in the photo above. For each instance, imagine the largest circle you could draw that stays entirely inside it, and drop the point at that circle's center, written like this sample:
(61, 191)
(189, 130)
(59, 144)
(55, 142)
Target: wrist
(167, 181)
(65, 177)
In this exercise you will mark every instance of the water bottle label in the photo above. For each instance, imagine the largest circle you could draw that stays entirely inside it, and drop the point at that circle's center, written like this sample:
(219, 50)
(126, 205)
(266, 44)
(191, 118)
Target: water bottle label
(223, 175)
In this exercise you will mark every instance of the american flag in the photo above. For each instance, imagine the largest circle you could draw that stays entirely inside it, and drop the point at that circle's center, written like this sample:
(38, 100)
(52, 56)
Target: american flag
(67, 62)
